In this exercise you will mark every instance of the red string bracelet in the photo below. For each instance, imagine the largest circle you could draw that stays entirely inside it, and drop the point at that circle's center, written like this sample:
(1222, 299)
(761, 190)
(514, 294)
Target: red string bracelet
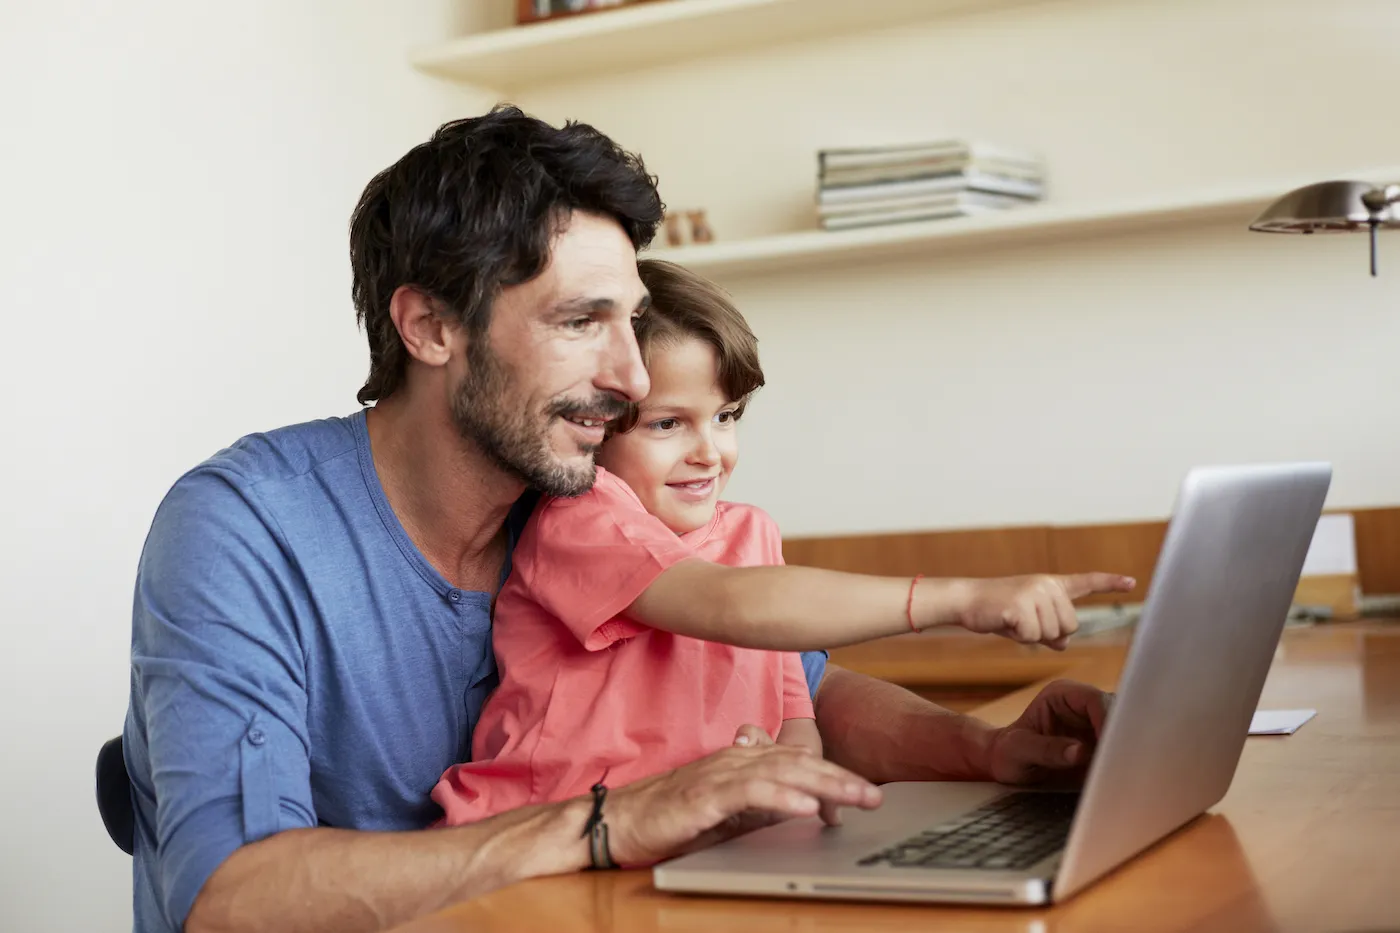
(909, 606)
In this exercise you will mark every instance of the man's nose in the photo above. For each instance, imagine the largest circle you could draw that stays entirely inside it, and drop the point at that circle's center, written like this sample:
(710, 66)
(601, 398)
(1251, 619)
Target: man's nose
(622, 371)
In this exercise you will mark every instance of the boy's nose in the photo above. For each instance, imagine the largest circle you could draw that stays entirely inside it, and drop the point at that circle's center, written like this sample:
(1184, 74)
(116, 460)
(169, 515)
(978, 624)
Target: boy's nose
(705, 451)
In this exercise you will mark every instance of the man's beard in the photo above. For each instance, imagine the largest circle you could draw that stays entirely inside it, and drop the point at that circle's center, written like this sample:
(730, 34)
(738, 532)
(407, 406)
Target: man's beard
(515, 438)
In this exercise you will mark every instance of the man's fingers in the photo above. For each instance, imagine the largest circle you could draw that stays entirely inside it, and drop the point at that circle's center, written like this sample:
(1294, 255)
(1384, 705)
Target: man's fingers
(1098, 712)
(810, 776)
(752, 736)
(756, 793)
(1079, 585)
(1073, 707)
(726, 792)
(1036, 753)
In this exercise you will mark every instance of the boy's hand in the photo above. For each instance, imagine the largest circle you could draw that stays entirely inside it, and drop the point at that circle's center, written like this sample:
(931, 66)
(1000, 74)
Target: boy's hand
(1034, 609)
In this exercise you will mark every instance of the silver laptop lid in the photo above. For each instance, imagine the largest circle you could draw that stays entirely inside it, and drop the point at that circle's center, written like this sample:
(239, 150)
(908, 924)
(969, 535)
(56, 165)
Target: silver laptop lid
(1224, 582)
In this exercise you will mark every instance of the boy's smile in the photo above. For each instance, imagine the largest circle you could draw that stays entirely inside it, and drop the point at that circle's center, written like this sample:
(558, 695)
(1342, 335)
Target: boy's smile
(679, 456)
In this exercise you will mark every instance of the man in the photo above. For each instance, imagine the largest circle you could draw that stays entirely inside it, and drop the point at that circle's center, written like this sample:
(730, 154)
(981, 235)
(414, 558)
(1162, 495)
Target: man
(311, 629)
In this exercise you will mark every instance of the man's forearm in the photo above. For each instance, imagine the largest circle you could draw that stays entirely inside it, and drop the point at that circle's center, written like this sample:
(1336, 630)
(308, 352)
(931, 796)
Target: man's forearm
(885, 733)
(345, 881)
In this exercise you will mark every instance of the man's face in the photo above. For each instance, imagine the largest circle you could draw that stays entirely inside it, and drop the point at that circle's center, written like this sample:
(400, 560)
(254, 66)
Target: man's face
(558, 361)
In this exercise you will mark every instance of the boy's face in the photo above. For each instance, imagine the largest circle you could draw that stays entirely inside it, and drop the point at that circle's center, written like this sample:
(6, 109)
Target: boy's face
(679, 456)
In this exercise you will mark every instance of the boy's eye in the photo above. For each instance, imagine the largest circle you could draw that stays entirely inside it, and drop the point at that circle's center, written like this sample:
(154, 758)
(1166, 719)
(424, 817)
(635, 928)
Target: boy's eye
(665, 424)
(728, 416)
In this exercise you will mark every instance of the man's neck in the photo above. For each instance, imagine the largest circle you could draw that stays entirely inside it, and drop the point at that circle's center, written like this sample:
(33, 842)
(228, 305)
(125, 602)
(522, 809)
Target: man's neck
(450, 498)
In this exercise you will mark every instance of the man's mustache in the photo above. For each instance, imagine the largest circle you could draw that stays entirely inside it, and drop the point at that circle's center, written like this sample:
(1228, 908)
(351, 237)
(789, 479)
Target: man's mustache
(601, 407)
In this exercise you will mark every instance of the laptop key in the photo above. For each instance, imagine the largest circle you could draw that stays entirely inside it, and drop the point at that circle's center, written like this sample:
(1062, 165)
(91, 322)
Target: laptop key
(1014, 831)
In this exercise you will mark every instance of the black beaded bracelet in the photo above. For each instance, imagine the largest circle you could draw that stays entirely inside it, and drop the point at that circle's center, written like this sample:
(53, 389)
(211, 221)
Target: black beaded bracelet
(596, 830)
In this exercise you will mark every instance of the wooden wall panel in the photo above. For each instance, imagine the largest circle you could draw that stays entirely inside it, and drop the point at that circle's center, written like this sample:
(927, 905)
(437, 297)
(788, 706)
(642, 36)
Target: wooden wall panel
(987, 553)
(1129, 549)
(1378, 550)
(1122, 548)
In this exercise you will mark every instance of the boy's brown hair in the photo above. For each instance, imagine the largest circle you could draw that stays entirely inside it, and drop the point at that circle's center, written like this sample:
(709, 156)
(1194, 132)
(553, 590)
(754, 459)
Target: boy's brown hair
(684, 304)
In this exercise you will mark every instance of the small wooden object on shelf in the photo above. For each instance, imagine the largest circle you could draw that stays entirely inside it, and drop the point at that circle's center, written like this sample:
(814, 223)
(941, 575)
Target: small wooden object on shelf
(537, 11)
(675, 236)
(687, 228)
(700, 230)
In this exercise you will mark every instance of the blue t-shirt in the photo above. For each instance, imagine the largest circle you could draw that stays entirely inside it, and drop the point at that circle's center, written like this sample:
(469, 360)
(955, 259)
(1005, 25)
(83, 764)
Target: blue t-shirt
(295, 660)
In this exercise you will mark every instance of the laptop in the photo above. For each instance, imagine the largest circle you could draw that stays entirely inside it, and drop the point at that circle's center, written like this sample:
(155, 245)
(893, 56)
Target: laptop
(1224, 583)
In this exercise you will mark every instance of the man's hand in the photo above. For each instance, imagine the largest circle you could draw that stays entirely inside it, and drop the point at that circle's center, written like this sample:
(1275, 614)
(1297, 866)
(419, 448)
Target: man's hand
(1033, 609)
(724, 794)
(1053, 740)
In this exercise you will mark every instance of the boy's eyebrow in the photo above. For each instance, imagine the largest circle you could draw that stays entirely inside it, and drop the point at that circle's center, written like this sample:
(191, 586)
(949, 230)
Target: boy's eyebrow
(663, 406)
(674, 408)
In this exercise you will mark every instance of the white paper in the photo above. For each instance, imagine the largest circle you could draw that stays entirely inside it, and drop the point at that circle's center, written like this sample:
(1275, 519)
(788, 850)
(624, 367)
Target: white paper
(1333, 548)
(1279, 721)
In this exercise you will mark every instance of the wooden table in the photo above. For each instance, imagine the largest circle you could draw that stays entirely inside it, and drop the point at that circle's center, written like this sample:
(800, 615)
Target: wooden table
(1308, 838)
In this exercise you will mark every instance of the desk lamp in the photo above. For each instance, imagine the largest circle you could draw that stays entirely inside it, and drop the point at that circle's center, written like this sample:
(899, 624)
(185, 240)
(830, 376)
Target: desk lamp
(1333, 207)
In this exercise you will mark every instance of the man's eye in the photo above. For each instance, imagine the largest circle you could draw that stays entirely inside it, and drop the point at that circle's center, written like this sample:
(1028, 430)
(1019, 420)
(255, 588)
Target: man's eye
(580, 323)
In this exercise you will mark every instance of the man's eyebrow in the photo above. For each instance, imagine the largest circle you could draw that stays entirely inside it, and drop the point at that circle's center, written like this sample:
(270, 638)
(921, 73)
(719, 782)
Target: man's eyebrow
(584, 305)
(600, 305)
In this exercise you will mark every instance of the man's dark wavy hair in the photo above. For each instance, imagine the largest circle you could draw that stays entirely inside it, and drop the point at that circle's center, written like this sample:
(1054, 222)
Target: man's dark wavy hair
(473, 210)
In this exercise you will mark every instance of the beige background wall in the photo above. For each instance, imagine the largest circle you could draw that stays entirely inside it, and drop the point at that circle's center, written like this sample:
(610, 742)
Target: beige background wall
(178, 180)
(1074, 381)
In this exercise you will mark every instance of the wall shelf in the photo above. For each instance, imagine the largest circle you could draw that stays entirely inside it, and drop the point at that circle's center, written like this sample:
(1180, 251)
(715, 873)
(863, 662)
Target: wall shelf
(1029, 224)
(663, 32)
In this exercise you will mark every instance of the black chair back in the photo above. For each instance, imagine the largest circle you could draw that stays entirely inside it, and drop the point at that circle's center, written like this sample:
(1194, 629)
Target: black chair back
(114, 795)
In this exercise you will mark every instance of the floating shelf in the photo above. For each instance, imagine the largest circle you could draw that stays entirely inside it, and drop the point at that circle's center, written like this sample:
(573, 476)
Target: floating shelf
(1034, 222)
(664, 32)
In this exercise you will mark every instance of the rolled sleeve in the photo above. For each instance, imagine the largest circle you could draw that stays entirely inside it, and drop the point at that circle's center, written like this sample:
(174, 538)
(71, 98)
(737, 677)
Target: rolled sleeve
(814, 667)
(217, 735)
(797, 695)
(585, 560)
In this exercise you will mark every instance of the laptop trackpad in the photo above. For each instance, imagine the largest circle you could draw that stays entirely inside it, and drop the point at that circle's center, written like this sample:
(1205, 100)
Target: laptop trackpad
(808, 845)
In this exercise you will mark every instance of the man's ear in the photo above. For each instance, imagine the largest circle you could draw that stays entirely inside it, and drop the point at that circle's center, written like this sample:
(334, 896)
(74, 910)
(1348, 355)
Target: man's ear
(427, 335)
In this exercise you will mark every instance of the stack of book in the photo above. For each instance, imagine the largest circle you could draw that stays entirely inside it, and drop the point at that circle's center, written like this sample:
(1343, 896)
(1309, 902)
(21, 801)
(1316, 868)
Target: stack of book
(895, 184)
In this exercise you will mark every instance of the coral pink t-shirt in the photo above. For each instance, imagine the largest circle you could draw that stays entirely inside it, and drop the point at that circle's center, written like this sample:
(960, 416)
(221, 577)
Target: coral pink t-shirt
(584, 689)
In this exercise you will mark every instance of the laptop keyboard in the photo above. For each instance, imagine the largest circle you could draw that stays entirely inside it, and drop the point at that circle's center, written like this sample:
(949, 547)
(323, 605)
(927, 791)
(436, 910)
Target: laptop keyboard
(1010, 833)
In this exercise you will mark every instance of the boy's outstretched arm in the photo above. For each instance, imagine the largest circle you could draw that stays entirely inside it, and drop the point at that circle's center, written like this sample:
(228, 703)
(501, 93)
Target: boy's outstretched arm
(789, 608)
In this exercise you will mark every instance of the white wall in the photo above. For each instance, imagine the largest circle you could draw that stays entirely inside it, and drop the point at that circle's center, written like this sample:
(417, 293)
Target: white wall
(1072, 382)
(178, 180)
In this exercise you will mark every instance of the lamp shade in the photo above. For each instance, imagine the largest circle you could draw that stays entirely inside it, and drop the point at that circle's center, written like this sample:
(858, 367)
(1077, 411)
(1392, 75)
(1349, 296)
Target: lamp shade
(1326, 207)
